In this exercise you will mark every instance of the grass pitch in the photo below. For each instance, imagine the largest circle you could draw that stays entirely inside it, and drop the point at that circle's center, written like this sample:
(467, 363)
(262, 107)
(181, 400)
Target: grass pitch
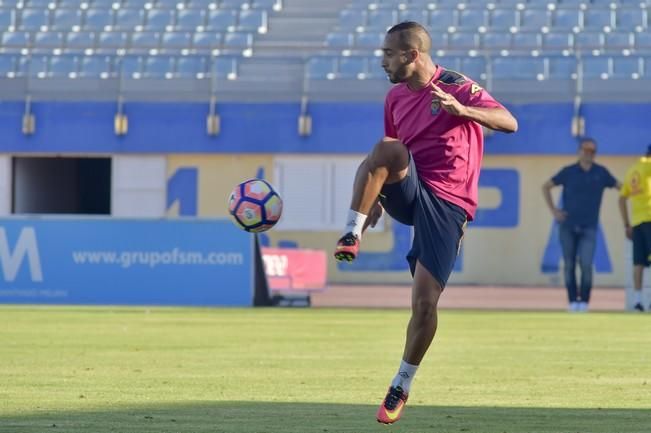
(93, 370)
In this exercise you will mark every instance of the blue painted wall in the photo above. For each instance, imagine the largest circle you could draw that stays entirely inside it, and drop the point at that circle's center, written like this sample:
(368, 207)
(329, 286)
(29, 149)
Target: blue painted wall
(620, 129)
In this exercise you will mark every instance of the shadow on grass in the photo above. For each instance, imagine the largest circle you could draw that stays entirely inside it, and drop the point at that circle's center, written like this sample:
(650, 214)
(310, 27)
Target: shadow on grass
(270, 417)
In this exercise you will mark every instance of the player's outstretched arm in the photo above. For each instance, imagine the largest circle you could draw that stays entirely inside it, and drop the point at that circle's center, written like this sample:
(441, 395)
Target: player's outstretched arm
(497, 119)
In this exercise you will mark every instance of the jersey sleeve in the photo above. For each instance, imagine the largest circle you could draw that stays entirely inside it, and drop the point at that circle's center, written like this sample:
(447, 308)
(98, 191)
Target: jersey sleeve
(389, 126)
(560, 178)
(611, 182)
(473, 95)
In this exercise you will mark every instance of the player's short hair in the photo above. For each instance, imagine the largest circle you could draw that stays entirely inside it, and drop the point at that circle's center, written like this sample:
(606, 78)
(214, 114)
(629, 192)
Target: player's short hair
(413, 36)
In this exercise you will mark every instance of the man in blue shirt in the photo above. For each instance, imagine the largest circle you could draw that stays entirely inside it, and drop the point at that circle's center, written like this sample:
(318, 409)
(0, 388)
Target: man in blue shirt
(583, 186)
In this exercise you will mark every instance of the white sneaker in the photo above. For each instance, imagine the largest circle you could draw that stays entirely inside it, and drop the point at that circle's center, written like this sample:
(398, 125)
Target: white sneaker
(574, 306)
(583, 307)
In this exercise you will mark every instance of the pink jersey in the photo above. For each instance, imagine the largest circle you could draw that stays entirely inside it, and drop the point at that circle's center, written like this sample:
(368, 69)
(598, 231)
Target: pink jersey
(447, 149)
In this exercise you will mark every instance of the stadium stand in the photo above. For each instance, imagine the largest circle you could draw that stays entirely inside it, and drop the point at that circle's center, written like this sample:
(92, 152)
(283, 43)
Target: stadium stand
(536, 49)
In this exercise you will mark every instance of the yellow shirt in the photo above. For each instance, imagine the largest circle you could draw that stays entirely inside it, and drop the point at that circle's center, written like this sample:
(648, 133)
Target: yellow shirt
(637, 186)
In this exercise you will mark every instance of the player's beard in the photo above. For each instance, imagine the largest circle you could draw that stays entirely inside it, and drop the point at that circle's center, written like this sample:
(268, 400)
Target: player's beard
(399, 76)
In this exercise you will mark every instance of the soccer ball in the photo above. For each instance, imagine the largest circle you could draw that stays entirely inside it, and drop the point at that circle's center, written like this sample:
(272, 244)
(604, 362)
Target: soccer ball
(255, 206)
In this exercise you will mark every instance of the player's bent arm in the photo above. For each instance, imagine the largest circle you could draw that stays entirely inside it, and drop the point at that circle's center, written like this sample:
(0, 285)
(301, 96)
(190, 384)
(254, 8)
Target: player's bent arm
(498, 119)
(547, 193)
(623, 211)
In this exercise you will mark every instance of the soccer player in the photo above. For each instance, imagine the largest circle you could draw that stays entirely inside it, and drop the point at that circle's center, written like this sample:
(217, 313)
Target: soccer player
(583, 185)
(424, 173)
(637, 187)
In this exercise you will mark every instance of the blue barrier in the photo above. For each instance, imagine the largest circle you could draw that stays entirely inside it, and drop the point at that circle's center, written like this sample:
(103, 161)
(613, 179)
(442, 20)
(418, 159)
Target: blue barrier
(125, 262)
(64, 127)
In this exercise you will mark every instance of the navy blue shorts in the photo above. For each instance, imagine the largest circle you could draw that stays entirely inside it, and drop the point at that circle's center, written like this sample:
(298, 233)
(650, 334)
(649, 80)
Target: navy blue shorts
(642, 244)
(438, 224)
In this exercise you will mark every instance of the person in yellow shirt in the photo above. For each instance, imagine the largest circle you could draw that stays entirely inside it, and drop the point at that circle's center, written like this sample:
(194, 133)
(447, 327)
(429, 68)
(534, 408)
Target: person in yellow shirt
(637, 188)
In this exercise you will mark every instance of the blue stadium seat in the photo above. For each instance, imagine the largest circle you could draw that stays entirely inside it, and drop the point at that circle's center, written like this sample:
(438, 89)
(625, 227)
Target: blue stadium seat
(463, 41)
(158, 20)
(158, 67)
(70, 4)
(351, 67)
(320, 68)
(254, 21)
(134, 4)
(643, 41)
(596, 67)
(527, 41)
(534, 19)
(472, 19)
(98, 20)
(494, 41)
(34, 19)
(233, 4)
(339, 40)
(63, 66)
(201, 4)
(630, 18)
(503, 19)
(129, 19)
(111, 40)
(176, 41)
(419, 15)
(518, 68)
(7, 19)
(130, 66)
(224, 67)
(37, 4)
(597, 19)
(16, 39)
(473, 67)
(222, 20)
(267, 5)
(95, 67)
(207, 41)
(439, 40)
(191, 66)
(619, 40)
(566, 19)
(557, 41)
(381, 19)
(238, 40)
(7, 65)
(80, 40)
(48, 40)
(369, 40)
(66, 19)
(441, 20)
(626, 67)
(562, 68)
(103, 4)
(190, 19)
(351, 19)
(167, 4)
(144, 41)
(37, 66)
(647, 68)
(589, 41)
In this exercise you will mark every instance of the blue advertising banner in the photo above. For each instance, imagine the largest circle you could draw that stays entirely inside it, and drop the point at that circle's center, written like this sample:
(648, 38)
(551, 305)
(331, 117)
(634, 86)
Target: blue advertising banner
(125, 262)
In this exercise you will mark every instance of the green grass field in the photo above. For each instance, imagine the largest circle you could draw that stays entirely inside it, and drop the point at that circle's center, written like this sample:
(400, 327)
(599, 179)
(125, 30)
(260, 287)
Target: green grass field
(90, 370)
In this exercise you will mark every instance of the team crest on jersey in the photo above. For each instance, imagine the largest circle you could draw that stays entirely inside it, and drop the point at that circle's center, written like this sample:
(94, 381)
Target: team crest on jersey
(435, 107)
(474, 88)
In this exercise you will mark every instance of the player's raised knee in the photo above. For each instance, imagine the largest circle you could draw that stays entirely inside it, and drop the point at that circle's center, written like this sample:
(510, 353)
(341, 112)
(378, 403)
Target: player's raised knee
(391, 153)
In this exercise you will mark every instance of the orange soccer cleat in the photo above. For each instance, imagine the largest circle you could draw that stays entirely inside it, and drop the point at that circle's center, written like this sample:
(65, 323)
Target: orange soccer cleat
(392, 406)
(347, 248)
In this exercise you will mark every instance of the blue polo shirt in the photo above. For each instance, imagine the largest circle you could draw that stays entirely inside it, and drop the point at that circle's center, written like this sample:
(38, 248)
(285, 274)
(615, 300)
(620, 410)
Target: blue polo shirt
(582, 192)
